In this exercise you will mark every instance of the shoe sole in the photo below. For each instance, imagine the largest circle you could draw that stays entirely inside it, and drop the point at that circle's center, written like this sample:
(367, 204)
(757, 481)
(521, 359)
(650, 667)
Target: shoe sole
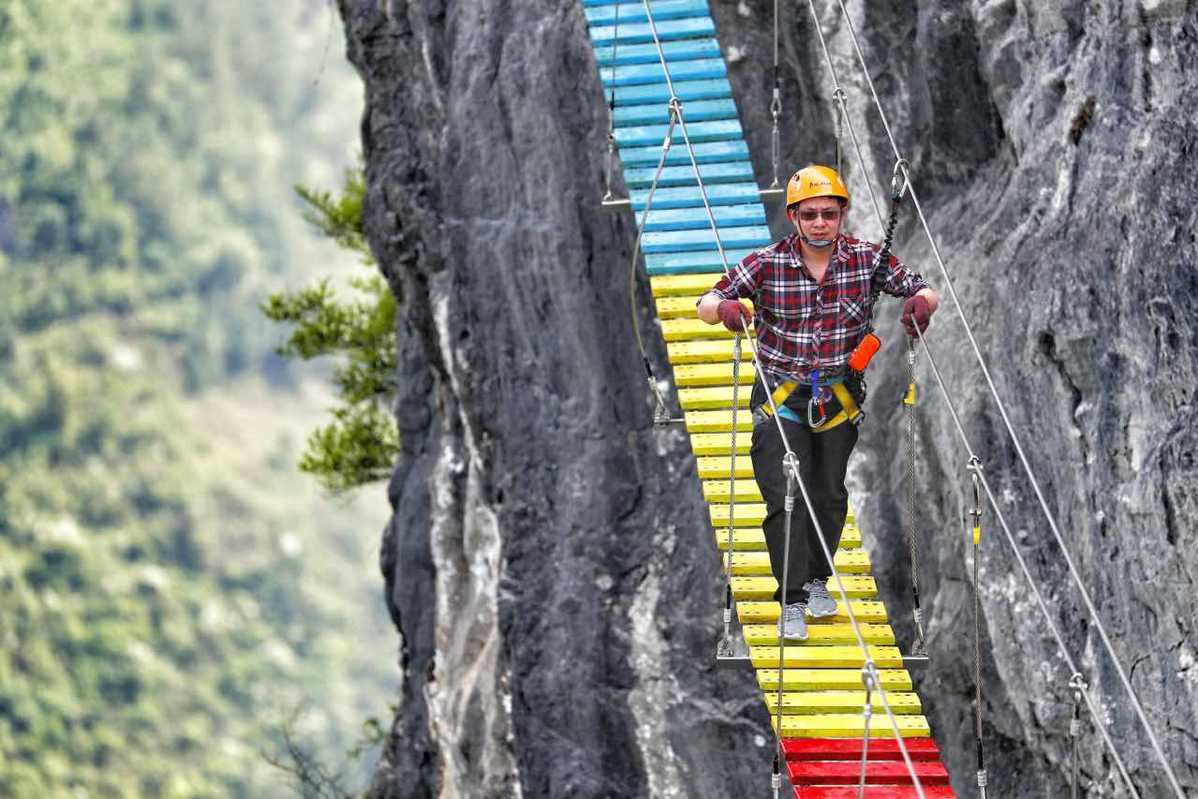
(814, 615)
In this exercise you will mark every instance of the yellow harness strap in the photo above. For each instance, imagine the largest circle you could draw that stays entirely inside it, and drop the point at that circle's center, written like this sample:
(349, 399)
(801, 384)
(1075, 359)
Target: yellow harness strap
(849, 411)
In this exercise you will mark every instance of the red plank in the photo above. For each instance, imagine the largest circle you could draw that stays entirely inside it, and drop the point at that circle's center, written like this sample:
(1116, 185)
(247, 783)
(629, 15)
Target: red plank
(873, 792)
(850, 749)
(877, 772)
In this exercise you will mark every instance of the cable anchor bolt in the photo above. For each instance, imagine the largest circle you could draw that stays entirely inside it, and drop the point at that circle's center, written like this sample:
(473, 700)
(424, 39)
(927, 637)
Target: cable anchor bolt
(776, 104)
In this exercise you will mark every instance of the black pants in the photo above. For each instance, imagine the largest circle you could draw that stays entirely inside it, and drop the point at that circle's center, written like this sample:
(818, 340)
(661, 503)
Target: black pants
(823, 460)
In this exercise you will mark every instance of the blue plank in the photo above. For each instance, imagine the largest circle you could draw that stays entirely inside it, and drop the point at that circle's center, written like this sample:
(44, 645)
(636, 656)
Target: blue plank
(643, 74)
(689, 196)
(671, 176)
(685, 50)
(635, 12)
(688, 240)
(668, 31)
(718, 130)
(698, 111)
(696, 218)
(705, 153)
(694, 263)
(688, 91)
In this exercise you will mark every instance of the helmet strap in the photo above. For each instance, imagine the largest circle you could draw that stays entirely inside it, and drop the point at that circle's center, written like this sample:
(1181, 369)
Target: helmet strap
(819, 244)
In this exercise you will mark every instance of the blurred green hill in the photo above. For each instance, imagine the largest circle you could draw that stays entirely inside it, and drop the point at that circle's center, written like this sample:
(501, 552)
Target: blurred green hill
(172, 589)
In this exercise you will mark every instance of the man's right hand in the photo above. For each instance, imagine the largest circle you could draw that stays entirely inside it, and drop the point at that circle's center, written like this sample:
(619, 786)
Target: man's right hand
(735, 315)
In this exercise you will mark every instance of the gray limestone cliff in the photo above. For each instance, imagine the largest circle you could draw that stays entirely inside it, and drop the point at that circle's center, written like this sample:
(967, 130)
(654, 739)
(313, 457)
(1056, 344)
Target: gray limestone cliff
(549, 564)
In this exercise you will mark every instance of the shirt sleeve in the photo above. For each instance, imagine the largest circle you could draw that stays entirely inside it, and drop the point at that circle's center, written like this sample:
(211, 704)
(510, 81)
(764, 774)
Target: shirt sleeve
(745, 281)
(897, 280)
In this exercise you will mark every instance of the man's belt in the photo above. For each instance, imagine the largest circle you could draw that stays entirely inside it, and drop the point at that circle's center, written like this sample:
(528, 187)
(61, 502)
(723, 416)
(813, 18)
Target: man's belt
(849, 411)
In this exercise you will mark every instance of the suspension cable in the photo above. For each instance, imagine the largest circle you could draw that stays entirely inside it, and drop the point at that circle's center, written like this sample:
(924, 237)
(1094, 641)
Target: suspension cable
(790, 459)
(1002, 522)
(1052, 523)
(776, 106)
(921, 646)
(975, 468)
(611, 115)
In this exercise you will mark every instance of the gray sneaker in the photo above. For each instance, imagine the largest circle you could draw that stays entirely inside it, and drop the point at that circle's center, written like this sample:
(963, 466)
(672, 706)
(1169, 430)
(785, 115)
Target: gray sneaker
(821, 604)
(794, 622)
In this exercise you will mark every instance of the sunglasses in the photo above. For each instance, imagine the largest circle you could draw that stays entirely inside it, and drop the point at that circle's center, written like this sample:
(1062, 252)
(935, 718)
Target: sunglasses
(829, 215)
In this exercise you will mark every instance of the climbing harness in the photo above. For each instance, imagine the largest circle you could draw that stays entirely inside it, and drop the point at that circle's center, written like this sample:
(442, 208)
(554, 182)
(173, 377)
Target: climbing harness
(975, 469)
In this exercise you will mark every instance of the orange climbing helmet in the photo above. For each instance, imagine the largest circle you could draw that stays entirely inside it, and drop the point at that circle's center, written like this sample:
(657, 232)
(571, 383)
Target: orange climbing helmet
(815, 181)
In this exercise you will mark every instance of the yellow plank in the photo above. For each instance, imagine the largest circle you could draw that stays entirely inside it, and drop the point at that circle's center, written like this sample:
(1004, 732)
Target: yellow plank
(721, 491)
(712, 398)
(749, 537)
(682, 285)
(682, 307)
(709, 374)
(748, 514)
(831, 679)
(744, 564)
(719, 444)
(825, 657)
(682, 352)
(719, 422)
(867, 611)
(764, 587)
(903, 703)
(821, 634)
(710, 468)
(851, 726)
(695, 329)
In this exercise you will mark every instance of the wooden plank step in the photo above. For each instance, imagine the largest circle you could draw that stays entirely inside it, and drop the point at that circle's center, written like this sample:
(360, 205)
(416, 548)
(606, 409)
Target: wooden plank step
(649, 135)
(689, 91)
(691, 273)
(873, 792)
(849, 749)
(713, 467)
(719, 444)
(684, 50)
(848, 562)
(693, 328)
(844, 725)
(688, 240)
(877, 772)
(644, 74)
(670, 309)
(867, 611)
(709, 374)
(747, 539)
(840, 633)
(671, 176)
(830, 680)
(707, 152)
(712, 398)
(721, 490)
(730, 215)
(718, 422)
(640, 33)
(689, 197)
(799, 656)
(814, 702)
(712, 351)
(627, 13)
(860, 587)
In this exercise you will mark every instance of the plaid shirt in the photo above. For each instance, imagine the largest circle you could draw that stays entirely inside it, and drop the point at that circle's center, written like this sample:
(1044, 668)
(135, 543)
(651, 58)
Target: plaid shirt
(803, 325)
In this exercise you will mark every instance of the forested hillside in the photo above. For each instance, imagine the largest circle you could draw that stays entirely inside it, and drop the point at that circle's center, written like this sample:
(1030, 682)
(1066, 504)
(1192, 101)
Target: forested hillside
(172, 590)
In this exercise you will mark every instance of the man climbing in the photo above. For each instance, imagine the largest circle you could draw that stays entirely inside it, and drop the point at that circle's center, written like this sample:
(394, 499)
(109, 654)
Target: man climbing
(813, 294)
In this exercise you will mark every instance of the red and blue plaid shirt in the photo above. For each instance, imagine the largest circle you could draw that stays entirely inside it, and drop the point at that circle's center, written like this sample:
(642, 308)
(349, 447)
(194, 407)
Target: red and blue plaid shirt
(803, 325)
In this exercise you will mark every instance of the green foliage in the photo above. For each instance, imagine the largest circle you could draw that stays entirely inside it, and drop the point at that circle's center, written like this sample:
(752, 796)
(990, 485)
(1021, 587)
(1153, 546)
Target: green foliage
(166, 594)
(360, 445)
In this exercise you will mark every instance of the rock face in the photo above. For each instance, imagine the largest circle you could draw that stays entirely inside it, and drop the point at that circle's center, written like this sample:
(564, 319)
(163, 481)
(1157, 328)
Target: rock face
(549, 565)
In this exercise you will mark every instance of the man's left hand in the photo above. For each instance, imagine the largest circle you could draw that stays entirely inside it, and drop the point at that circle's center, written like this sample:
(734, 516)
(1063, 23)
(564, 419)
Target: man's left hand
(916, 312)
